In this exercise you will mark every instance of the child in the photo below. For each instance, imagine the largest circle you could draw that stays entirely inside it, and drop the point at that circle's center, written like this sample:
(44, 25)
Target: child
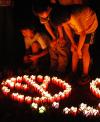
(75, 20)
(36, 51)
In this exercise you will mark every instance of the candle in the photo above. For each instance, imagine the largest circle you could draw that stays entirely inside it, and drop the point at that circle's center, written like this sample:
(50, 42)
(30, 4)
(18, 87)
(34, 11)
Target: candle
(66, 110)
(6, 92)
(19, 79)
(33, 77)
(73, 111)
(28, 99)
(21, 98)
(40, 78)
(11, 85)
(42, 109)
(18, 86)
(34, 106)
(36, 100)
(14, 96)
(55, 105)
(13, 79)
(25, 87)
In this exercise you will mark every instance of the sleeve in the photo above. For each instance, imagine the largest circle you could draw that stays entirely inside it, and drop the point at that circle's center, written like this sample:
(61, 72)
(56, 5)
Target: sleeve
(41, 41)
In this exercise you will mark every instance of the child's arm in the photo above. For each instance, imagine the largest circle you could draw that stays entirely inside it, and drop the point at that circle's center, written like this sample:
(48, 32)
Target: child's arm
(70, 36)
(49, 29)
(68, 32)
(60, 31)
(81, 43)
(36, 57)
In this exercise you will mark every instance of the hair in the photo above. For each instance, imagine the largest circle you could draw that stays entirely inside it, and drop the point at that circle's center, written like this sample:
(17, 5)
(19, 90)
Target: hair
(30, 26)
(39, 6)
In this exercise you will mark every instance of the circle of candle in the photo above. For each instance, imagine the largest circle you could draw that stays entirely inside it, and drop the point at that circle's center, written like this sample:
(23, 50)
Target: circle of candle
(26, 83)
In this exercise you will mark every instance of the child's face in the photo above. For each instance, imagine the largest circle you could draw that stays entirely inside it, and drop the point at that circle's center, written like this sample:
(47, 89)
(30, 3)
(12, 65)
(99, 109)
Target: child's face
(27, 33)
(35, 47)
(44, 14)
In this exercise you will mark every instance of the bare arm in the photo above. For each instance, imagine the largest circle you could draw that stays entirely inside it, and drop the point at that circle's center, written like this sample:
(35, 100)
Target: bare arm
(49, 29)
(81, 40)
(36, 57)
(60, 31)
(68, 32)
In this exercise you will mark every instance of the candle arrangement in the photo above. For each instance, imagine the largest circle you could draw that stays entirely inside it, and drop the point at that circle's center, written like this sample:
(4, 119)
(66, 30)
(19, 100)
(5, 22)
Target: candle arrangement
(87, 111)
(93, 87)
(26, 83)
(40, 85)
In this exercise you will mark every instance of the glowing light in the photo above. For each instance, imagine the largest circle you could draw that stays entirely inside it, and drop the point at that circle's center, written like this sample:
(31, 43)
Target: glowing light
(42, 109)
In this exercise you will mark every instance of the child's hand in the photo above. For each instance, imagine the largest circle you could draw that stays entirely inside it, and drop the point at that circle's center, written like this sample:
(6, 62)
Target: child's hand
(54, 43)
(79, 52)
(73, 47)
(34, 58)
(26, 59)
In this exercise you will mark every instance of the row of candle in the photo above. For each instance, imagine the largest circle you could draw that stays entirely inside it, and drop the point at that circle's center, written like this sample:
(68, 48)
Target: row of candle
(86, 110)
(83, 108)
(93, 87)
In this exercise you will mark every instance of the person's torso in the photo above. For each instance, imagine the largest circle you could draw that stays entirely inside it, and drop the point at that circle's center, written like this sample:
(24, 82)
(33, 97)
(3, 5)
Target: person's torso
(83, 20)
(37, 37)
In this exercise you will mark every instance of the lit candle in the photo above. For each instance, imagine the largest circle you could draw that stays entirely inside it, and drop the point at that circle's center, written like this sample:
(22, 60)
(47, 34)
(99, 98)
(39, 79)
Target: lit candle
(13, 79)
(73, 111)
(19, 79)
(11, 85)
(21, 98)
(18, 86)
(28, 99)
(42, 109)
(40, 78)
(25, 87)
(66, 110)
(6, 92)
(34, 106)
(33, 77)
(37, 100)
(47, 78)
(14, 96)
(55, 105)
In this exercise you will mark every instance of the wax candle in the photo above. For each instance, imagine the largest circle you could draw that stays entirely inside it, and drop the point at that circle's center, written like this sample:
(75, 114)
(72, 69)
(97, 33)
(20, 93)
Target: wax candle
(40, 78)
(28, 99)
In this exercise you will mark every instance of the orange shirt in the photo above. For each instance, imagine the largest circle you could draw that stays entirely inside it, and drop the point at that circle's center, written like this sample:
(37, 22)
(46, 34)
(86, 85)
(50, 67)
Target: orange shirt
(83, 20)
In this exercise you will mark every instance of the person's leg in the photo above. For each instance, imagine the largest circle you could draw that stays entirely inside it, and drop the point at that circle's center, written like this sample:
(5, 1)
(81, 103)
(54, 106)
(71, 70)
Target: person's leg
(63, 56)
(85, 78)
(53, 57)
(75, 60)
(86, 59)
